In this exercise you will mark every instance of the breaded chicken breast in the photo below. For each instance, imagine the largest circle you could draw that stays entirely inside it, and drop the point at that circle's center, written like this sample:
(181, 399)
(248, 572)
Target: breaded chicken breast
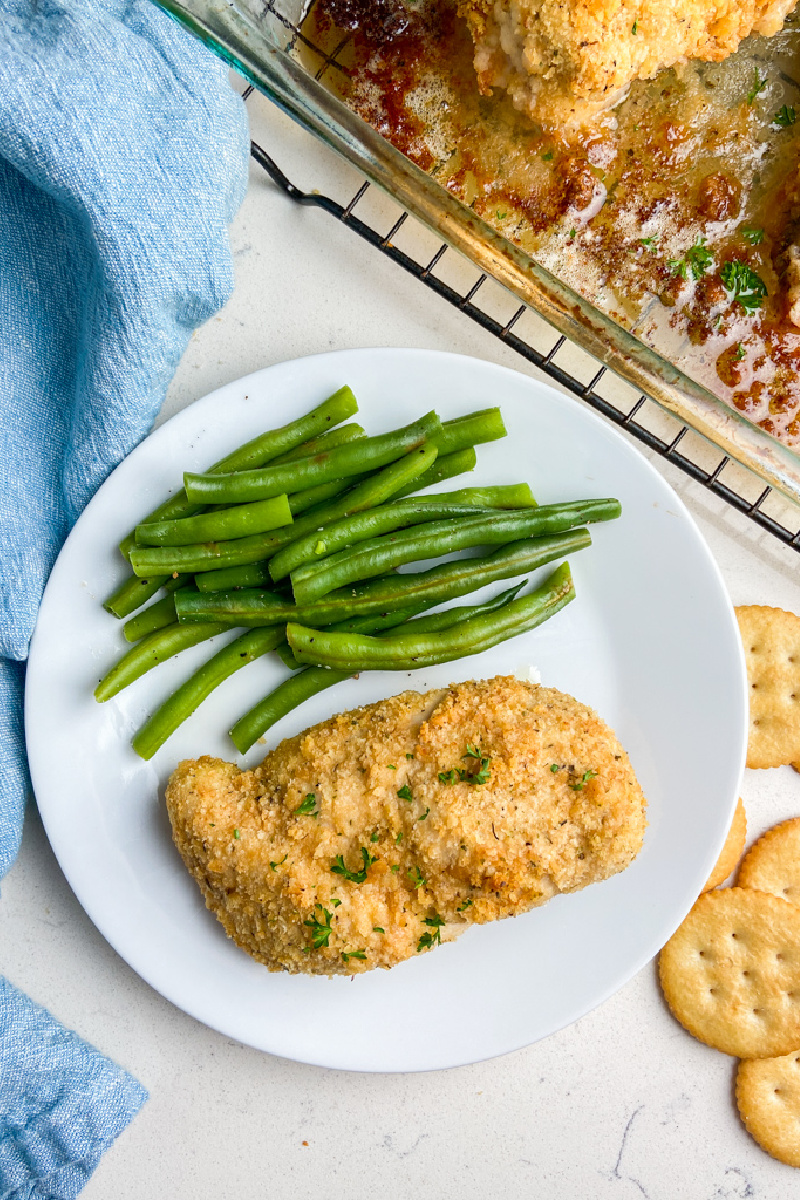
(565, 61)
(380, 833)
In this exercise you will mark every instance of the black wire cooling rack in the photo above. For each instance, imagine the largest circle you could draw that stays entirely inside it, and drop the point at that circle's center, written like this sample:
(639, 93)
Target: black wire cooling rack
(739, 488)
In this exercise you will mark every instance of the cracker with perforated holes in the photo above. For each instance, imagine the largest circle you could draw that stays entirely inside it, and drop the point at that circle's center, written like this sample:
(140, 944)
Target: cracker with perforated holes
(731, 973)
(771, 640)
(731, 852)
(772, 864)
(768, 1096)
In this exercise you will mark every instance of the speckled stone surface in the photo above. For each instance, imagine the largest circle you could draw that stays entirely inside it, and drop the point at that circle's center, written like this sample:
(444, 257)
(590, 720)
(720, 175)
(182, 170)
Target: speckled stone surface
(622, 1104)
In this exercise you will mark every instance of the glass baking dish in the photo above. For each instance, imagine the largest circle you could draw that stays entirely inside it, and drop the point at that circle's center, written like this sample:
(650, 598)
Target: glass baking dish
(261, 41)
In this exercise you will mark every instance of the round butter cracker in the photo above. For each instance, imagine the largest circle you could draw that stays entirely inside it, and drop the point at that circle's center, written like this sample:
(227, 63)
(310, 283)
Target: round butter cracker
(768, 1096)
(731, 973)
(771, 641)
(772, 864)
(732, 850)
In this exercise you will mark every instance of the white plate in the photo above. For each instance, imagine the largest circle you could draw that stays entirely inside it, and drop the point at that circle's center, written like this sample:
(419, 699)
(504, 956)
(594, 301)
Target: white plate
(651, 642)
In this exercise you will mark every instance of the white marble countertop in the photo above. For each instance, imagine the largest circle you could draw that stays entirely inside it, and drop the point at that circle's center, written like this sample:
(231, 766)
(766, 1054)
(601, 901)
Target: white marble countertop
(621, 1104)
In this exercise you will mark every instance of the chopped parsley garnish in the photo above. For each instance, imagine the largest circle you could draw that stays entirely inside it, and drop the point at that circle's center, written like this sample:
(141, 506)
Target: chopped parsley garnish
(335, 903)
(460, 775)
(395, 868)
(740, 352)
(573, 233)
(758, 86)
(743, 284)
(784, 116)
(320, 930)
(236, 834)
(391, 767)
(348, 954)
(754, 236)
(424, 815)
(338, 867)
(466, 904)
(409, 756)
(648, 241)
(416, 876)
(431, 939)
(584, 779)
(405, 792)
(309, 807)
(635, 27)
(378, 929)
(548, 157)
(399, 838)
(275, 865)
(374, 837)
(554, 767)
(697, 260)
(482, 774)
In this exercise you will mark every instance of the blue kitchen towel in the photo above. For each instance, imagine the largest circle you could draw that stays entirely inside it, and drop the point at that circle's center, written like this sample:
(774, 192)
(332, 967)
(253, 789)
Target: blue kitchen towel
(123, 157)
(61, 1103)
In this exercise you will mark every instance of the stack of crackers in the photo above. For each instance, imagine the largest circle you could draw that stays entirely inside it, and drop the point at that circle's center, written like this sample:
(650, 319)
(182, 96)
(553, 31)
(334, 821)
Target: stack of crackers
(731, 972)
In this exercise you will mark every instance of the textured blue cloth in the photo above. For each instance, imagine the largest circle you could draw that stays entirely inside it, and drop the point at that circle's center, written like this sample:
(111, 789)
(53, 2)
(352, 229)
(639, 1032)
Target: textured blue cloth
(61, 1103)
(123, 157)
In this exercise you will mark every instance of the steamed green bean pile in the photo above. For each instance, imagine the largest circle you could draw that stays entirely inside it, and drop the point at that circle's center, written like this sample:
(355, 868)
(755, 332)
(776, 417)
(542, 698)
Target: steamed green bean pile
(296, 539)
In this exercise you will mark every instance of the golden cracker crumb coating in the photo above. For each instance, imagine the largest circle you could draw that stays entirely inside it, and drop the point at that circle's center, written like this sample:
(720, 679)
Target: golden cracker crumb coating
(565, 61)
(483, 851)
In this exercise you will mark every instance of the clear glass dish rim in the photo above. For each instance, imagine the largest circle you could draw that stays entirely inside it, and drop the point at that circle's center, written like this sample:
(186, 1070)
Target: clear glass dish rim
(229, 31)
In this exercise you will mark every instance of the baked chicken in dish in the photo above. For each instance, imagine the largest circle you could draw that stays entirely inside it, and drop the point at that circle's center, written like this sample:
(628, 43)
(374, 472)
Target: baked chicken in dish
(565, 61)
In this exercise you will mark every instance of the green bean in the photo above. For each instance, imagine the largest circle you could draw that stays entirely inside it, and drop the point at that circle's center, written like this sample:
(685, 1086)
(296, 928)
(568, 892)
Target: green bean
(261, 450)
(485, 425)
(222, 525)
(307, 472)
(183, 702)
(133, 592)
(157, 616)
(329, 440)
(203, 556)
(447, 466)
(500, 495)
(156, 648)
(287, 696)
(300, 502)
(410, 650)
(378, 555)
(312, 680)
(254, 607)
(250, 575)
(359, 526)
